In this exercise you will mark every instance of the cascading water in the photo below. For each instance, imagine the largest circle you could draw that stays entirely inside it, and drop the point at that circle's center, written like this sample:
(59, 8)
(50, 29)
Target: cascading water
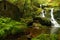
(54, 22)
(43, 14)
(55, 25)
(43, 11)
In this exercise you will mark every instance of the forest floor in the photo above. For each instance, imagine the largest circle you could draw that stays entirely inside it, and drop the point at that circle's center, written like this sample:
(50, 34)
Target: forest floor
(32, 32)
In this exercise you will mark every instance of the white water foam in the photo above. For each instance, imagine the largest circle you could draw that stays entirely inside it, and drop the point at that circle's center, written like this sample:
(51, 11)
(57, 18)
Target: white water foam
(42, 12)
(54, 22)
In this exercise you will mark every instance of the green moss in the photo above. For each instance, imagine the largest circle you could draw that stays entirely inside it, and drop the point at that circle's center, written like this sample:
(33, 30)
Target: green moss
(45, 37)
(7, 26)
(43, 21)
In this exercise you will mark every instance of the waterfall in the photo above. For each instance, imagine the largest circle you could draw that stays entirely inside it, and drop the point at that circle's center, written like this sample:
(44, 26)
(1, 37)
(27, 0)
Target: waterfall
(43, 14)
(43, 11)
(54, 22)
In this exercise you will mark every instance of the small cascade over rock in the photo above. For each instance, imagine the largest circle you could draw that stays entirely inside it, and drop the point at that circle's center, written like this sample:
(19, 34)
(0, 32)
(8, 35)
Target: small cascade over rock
(43, 11)
(43, 14)
(54, 25)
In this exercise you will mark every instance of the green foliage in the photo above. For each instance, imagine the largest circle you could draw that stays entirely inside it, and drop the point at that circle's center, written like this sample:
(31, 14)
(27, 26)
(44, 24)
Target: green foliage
(44, 21)
(46, 37)
(7, 26)
(32, 7)
(13, 1)
(27, 19)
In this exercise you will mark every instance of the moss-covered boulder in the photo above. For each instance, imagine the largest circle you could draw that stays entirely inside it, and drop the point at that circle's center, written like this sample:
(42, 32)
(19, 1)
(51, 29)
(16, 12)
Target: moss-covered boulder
(43, 21)
(8, 9)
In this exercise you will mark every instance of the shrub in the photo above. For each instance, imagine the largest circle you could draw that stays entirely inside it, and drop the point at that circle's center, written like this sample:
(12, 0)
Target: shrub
(45, 37)
(9, 26)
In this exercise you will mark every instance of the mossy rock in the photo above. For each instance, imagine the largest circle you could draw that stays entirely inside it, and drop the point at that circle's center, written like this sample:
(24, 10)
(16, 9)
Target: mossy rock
(43, 21)
(8, 9)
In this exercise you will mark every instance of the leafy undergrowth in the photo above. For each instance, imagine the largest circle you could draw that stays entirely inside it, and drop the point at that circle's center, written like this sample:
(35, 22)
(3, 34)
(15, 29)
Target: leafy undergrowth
(9, 26)
(47, 37)
(34, 32)
(19, 30)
